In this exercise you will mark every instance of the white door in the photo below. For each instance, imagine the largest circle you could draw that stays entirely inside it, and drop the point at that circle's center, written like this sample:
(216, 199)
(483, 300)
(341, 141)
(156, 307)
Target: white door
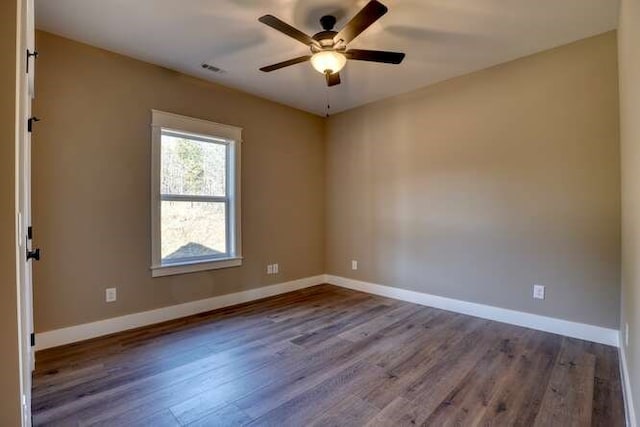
(26, 71)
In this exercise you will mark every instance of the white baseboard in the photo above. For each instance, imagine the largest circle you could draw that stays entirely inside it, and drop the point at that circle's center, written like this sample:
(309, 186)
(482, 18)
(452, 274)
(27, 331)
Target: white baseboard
(86, 331)
(630, 412)
(117, 324)
(543, 323)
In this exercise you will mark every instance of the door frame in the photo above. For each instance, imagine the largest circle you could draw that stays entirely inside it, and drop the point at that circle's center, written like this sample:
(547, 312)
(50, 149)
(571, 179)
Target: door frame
(25, 93)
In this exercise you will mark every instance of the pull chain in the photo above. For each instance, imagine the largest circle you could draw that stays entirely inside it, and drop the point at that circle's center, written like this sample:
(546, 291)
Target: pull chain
(328, 104)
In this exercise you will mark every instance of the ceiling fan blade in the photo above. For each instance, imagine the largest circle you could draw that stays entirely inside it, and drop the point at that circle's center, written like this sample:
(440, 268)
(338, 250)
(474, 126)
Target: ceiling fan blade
(375, 56)
(363, 19)
(283, 64)
(333, 79)
(287, 29)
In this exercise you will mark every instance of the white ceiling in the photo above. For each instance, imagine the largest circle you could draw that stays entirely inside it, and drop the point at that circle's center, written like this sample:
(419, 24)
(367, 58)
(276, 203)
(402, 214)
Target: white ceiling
(442, 39)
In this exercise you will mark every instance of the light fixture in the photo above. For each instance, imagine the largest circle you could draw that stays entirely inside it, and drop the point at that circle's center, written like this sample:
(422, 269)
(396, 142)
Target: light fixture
(328, 61)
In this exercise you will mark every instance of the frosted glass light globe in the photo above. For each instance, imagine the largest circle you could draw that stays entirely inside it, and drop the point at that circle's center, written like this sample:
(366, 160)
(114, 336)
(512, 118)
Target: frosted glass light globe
(329, 61)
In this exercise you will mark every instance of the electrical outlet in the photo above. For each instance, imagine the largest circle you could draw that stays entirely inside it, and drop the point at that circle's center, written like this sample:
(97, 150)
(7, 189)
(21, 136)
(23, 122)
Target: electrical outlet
(354, 264)
(110, 294)
(538, 291)
(626, 334)
(273, 269)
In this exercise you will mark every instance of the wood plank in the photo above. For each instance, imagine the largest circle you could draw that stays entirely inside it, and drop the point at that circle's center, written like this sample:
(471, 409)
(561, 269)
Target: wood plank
(608, 409)
(227, 416)
(468, 402)
(350, 411)
(568, 399)
(423, 395)
(408, 365)
(323, 333)
(301, 408)
(197, 407)
(159, 419)
(523, 387)
(369, 328)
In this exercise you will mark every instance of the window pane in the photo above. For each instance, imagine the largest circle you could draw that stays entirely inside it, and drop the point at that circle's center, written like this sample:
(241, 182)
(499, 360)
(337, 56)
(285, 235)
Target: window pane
(192, 229)
(192, 167)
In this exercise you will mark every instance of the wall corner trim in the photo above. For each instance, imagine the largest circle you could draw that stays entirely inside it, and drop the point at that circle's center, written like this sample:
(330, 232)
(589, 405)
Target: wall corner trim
(630, 412)
(534, 321)
(100, 328)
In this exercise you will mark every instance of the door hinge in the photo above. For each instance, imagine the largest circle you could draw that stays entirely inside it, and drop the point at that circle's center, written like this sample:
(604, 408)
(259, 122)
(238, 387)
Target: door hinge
(30, 54)
(32, 337)
(34, 254)
(30, 122)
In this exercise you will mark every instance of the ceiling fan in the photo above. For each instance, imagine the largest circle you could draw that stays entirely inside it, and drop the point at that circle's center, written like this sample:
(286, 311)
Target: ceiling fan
(329, 52)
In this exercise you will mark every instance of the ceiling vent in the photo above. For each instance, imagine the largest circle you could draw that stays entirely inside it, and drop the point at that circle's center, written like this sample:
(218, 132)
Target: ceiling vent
(212, 68)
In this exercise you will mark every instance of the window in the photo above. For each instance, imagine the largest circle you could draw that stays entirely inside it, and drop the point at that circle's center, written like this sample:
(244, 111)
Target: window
(195, 195)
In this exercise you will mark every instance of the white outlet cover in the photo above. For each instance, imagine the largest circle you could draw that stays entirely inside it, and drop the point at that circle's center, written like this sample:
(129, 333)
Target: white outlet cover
(538, 291)
(270, 269)
(354, 264)
(276, 268)
(111, 294)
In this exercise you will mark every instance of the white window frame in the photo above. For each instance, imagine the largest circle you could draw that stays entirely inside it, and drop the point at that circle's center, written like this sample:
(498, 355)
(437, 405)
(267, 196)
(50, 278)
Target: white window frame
(232, 136)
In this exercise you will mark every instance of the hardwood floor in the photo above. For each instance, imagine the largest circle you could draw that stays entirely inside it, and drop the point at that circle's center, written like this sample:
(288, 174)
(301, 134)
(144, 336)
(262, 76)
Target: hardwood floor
(329, 356)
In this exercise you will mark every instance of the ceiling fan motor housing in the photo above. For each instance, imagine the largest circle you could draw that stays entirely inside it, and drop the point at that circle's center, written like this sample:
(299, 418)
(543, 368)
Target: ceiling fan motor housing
(328, 22)
(325, 38)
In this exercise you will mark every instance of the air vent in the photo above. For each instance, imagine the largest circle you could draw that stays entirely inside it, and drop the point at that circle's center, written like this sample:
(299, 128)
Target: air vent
(212, 68)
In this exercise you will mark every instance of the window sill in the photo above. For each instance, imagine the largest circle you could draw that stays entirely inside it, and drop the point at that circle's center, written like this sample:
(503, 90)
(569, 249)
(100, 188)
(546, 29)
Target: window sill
(168, 270)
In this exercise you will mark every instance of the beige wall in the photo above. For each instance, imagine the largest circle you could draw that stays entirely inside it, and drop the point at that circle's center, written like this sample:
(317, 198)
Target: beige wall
(629, 64)
(91, 180)
(9, 367)
(481, 186)
(474, 188)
